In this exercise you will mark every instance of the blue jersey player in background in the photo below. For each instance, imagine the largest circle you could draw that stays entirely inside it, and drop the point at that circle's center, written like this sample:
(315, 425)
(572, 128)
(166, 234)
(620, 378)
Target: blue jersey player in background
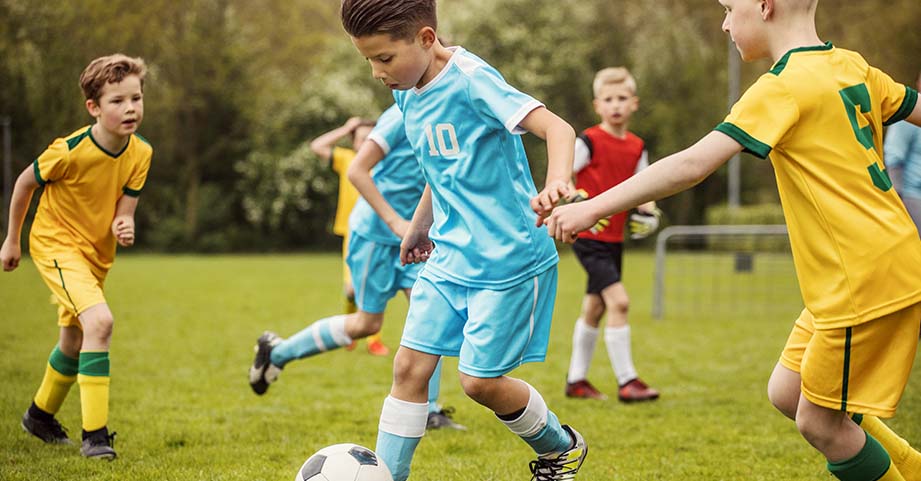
(487, 290)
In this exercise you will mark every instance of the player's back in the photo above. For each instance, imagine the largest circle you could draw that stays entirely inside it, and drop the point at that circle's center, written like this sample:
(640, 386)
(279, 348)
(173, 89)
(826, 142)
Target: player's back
(83, 182)
(821, 111)
(463, 126)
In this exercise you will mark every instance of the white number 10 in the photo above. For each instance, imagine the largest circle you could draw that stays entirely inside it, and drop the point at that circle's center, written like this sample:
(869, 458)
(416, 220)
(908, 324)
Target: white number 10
(448, 146)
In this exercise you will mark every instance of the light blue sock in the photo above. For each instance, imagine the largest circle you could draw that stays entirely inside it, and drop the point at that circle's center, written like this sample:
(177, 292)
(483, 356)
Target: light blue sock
(435, 389)
(324, 335)
(539, 427)
(401, 428)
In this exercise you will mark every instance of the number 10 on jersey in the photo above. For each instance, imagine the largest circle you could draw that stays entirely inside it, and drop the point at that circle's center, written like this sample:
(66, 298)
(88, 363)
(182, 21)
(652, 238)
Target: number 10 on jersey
(442, 140)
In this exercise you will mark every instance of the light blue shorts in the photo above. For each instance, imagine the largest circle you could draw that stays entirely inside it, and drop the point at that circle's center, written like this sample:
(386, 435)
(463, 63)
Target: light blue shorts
(491, 331)
(377, 275)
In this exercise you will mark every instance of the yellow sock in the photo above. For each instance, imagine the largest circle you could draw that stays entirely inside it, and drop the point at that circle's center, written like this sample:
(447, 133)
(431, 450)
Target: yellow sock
(60, 374)
(350, 307)
(94, 389)
(892, 474)
(905, 458)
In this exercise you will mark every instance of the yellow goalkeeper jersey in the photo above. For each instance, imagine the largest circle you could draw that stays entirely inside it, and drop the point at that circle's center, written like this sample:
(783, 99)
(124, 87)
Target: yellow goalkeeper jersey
(83, 183)
(348, 194)
(819, 115)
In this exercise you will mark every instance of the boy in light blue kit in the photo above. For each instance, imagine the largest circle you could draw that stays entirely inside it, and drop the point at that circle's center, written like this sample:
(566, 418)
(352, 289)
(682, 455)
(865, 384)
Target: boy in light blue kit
(486, 292)
(386, 173)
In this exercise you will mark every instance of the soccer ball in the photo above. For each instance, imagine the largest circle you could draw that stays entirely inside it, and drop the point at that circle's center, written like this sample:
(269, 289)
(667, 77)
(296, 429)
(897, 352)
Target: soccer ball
(344, 462)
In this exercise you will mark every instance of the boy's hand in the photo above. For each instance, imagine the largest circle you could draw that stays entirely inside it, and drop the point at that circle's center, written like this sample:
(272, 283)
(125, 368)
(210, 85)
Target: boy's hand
(416, 246)
(123, 229)
(10, 254)
(352, 123)
(548, 198)
(566, 221)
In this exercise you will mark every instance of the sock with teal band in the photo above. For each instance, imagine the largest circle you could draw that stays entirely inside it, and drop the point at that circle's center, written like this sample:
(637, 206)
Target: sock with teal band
(870, 464)
(93, 378)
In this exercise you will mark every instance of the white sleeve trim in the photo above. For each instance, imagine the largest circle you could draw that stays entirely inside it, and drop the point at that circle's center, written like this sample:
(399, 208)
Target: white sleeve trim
(643, 163)
(582, 157)
(512, 123)
(379, 140)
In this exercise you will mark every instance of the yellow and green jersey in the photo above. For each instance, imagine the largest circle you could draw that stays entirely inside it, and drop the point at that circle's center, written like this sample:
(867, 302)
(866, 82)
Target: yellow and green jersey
(348, 195)
(83, 183)
(819, 115)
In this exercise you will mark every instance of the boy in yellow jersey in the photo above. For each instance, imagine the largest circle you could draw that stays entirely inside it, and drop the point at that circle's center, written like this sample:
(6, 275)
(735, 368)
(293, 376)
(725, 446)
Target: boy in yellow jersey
(92, 179)
(819, 115)
(325, 148)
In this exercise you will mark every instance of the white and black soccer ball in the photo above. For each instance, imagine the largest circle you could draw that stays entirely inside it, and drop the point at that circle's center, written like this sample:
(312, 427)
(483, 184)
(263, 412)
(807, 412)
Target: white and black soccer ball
(344, 462)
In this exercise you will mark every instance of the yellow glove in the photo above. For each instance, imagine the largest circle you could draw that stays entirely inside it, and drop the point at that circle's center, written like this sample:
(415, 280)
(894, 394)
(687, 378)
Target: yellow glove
(643, 224)
(579, 196)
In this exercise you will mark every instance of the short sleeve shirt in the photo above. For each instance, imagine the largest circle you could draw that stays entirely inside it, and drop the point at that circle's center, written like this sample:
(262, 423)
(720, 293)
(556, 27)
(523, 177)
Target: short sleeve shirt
(342, 158)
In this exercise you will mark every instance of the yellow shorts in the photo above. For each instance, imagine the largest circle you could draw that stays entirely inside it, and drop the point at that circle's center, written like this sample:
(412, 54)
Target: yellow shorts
(861, 369)
(346, 273)
(75, 285)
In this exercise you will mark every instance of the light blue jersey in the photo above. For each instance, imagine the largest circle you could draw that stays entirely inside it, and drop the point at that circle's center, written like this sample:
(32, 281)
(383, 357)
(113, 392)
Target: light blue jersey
(397, 176)
(903, 151)
(463, 127)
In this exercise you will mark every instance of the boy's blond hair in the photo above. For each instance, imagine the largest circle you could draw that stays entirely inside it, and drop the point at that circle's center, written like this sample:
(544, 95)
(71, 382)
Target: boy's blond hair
(613, 75)
(107, 70)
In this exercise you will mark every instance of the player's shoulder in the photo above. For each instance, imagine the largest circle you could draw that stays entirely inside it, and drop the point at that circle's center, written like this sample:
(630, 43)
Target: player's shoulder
(73, 140)
(472, 67)
(141, 145)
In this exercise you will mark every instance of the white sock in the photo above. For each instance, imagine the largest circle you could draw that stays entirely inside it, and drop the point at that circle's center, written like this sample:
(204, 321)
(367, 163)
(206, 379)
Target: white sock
(584, 338)
(618, 341)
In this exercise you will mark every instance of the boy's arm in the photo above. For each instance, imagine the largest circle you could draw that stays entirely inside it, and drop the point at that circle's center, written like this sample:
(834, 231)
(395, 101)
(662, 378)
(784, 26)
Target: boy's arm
(915, 115)
(668, 176)
(416, 246)
(561, 144)
(323, 145)
(359, 174)
(11, 251)
(123, 223)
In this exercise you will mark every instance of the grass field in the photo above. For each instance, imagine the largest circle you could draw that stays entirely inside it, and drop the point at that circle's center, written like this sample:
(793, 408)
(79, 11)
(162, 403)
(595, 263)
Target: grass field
(185, 327)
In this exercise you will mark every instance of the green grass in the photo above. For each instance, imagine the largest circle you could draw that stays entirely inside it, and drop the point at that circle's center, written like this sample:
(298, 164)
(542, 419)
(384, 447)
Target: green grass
(185, 326)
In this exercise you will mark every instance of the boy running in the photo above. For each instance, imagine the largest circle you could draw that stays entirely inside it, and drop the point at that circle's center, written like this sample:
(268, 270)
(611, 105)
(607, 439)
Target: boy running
(819, 115)
(92, 179)
(486, 292)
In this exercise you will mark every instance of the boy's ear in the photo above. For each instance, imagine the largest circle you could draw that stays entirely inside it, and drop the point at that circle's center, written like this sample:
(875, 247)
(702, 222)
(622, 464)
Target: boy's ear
(767, 9)
(92, 107)
(426, 37)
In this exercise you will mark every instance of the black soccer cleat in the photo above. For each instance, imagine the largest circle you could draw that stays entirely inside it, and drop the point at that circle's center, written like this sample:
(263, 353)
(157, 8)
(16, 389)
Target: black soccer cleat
(263, 372)
(50, 432)
(442, 420)
(99, 445)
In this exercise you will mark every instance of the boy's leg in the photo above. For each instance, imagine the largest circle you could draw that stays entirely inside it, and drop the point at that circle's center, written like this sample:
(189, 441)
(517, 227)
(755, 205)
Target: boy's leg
(438, 417)
(93, 378)
(60, 375)
(405, 411)
(618, 341)
(584, 338)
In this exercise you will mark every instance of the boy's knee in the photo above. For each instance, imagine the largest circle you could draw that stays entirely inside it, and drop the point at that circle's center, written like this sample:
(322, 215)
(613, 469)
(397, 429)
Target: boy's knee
(476, 388)
(98, 324)
(367, 324)
(407, 372)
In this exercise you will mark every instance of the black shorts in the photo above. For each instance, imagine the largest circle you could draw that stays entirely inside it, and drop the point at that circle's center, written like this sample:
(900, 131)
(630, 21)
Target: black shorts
(601, 260)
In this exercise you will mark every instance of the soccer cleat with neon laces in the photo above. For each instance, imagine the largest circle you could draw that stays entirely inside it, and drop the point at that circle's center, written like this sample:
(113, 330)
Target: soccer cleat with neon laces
(263, 372)
(583, 389)
(49, 431)
(561, 466)
(636, 391)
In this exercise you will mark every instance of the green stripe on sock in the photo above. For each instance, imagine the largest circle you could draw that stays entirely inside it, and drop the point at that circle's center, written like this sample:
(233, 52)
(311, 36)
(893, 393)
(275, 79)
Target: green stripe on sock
(63, 364)
(94, 364)
(858, 418)
(871, 463)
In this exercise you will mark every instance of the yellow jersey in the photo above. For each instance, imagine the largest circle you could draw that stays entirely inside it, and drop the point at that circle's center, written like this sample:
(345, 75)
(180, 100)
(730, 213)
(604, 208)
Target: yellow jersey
(819, 115)
(83, 183)
(348, 195)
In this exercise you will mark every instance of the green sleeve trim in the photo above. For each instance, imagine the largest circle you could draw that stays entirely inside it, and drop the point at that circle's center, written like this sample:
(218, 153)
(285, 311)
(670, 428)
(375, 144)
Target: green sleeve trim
(908, 105)
(38, 174)
(749, 143)
(74, 141)
(65, 365)
(143, 139)
(94, 363)
(131, 192)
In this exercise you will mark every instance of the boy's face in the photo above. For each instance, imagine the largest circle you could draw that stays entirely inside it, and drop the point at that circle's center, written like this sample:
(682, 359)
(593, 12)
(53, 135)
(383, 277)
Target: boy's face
(615, 103)
(399, 64)
(360, 135)
(121, 106)
(745, 25)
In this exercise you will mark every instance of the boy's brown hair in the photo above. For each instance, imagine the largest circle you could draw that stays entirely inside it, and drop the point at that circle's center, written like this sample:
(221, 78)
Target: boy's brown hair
(613, 75)
(400, 19)
(108, 70)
